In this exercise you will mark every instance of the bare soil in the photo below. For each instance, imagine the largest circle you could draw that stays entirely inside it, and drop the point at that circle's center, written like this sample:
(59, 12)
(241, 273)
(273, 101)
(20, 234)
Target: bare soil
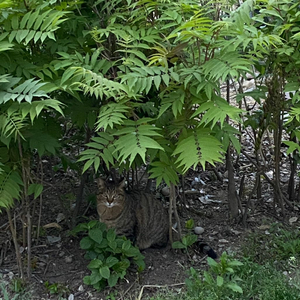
(58, 259)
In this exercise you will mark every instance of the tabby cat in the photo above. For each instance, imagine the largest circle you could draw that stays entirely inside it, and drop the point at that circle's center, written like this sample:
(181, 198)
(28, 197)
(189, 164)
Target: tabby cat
(137, 215)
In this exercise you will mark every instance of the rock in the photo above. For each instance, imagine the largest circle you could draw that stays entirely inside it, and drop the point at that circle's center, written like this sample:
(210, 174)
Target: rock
(165, 191)
(68, 259)
(81, 289)
(198, 230)
(61, 254)
(60, 217)
(223, 241)
(53, 239)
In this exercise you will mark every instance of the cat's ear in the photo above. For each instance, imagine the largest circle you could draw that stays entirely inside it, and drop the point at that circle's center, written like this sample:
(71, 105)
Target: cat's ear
(122, 183)
(101, 184)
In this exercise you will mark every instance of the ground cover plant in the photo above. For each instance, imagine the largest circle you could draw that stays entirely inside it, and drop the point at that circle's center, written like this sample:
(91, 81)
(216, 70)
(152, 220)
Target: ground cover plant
(248, 277)
(110, 256)
(151, 90)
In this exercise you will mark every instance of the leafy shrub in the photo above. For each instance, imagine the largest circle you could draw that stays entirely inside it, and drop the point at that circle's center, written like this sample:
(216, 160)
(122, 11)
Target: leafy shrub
(110, 254)
(219, 281)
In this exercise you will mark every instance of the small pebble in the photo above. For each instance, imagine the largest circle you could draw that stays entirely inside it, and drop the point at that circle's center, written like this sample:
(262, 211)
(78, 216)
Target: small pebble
(68, 259)
(165, 191)
(81, 289)
(198, 230)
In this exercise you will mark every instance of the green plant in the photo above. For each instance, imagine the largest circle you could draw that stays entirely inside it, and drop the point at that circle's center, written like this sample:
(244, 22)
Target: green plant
(57, 289)
(188, 239)
(16, 287)
(189, 224)
(110, 254)
(219, 281)
(266, 282)
(278, 244)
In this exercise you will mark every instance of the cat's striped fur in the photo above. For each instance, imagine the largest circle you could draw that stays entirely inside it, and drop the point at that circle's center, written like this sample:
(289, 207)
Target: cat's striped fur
(137, 215)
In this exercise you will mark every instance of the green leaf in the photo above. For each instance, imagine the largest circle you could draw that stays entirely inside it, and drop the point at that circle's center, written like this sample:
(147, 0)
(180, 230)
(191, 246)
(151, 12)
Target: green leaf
(211, 262)
(189, 224)
(105, 272)
(198, 147)
(86, 243)
(111, 115)
(126, 245)
(217, 111)
(190, 239)
(10, 188)
(178, 245)
(220, 281)
(111, 261)
(234, 287)
(111, 235)
(96, 235)
(36, 189)
(235, 263)
(113, 279)
(135, 140)
(95, 264)
(95, 278)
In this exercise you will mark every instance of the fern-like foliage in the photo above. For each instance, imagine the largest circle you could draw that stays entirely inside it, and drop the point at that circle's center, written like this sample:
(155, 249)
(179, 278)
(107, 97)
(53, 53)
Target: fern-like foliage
(42, 142)
(197, 146)
(174, 100)
(226, 65)
(135, 138)
(34, 108)
(164, 169)
(101, 148)
(217, 111)
(35, 25)
(11, 125)
(26, 91)
(111, 115)
(142, 79)
(227, 135)
(10, 188)
(94, 84)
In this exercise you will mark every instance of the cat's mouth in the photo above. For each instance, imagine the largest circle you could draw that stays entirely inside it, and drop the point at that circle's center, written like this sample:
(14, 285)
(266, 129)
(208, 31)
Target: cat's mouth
(110, 205)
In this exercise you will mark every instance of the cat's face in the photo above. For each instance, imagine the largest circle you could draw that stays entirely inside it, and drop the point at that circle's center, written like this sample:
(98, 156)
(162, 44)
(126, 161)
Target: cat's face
(110, 196)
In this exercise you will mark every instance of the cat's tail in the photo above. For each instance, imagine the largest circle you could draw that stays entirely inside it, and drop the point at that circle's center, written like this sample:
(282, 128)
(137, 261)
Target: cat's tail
(206, 249)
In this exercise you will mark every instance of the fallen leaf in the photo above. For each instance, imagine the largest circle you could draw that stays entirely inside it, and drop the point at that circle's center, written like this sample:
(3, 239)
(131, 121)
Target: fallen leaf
(293, 220)
(264, 227)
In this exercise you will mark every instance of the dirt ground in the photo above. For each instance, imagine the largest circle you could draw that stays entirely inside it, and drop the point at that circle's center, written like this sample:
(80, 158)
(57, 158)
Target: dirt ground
(58, 259)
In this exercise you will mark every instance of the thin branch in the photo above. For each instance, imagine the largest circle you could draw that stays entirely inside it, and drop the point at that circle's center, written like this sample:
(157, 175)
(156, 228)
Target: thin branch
(157, 286)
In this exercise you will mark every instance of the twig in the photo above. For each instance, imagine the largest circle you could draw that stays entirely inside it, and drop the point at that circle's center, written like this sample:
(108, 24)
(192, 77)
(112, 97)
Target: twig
(123, 294)
(17, 249)
(157, 286)
(41, 204)
(47, 267)
(173, 199)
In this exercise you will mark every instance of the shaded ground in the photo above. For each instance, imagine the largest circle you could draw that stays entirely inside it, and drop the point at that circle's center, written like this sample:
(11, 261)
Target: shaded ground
(58, 259)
